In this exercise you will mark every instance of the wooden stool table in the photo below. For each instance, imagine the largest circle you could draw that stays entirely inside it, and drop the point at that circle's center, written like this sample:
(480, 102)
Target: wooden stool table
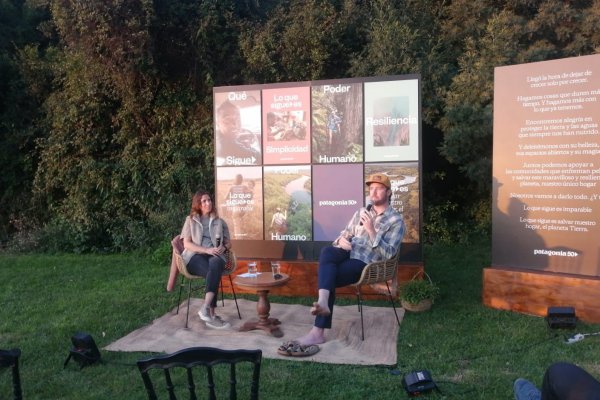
(261, 284)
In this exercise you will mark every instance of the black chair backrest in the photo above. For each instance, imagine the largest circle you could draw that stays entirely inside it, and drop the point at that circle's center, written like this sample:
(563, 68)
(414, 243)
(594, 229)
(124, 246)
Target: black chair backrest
(201, 357)
(10, 359)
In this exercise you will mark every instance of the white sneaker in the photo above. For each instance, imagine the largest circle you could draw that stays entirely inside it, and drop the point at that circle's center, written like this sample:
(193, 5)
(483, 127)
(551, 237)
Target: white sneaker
(204, 314)
(217, 323)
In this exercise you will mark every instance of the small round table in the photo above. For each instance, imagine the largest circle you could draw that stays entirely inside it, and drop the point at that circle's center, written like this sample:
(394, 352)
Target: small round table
(261, 284)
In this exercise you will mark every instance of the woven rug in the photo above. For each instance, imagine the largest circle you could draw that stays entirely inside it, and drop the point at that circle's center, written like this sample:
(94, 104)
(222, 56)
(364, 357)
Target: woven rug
(344, 345)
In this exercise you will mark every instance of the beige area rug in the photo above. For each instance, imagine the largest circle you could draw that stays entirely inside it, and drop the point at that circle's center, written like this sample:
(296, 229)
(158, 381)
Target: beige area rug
(344, 345)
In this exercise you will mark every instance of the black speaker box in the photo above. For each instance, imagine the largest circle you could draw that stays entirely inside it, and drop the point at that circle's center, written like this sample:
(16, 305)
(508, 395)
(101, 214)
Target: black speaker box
(84, 350)
(418, 382)
(561, 317)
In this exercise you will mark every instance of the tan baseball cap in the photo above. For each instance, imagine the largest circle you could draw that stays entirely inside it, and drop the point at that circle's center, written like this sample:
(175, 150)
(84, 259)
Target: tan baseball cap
(379, 178)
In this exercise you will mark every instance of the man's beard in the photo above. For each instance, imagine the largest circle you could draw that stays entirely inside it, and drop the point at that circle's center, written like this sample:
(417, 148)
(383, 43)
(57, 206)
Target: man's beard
(379, 203)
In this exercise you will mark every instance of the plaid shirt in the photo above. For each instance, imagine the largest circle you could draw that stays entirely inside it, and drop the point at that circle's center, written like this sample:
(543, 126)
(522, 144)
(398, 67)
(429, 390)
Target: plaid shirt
(389, 227)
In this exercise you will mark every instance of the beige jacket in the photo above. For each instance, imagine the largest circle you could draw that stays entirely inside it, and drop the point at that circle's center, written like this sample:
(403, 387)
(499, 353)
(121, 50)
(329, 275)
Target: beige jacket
(193, 228)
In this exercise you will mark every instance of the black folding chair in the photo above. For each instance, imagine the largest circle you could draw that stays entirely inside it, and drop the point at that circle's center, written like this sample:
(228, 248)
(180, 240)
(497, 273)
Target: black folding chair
(10, 359)
(206, 357)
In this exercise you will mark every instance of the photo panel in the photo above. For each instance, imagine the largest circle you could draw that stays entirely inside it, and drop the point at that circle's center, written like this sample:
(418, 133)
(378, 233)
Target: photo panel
(286, 125)
(337, 123)
(392, 115)
(240, 202)
(406, 194)
(237, 118)
(306, 148)
(338, 194)
(288, 203)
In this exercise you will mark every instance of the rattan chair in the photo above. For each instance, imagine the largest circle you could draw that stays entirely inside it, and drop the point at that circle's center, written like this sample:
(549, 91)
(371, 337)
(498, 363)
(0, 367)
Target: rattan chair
(206, 357)
(185, 274)
(10, 359)
(373, 273)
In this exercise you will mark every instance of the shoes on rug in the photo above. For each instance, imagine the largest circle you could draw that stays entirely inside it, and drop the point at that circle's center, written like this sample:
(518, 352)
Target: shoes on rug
(295, 349)
(204, 314)
(215, 322)
(218, 323)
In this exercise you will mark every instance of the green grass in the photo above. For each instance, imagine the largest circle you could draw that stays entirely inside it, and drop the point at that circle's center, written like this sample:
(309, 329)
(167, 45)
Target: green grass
(473, 352)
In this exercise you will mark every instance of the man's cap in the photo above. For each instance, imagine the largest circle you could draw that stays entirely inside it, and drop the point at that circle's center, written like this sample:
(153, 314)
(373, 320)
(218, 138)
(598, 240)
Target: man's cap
(379, 178)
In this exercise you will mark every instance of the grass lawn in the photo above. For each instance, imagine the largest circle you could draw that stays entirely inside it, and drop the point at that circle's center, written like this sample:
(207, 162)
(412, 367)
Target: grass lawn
(472, 352)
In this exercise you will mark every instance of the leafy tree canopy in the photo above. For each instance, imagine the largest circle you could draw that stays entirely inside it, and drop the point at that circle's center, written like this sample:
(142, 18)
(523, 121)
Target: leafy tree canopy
(106, 105)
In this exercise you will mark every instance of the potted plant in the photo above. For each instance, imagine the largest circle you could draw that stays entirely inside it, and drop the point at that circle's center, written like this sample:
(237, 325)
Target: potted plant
(418, 295)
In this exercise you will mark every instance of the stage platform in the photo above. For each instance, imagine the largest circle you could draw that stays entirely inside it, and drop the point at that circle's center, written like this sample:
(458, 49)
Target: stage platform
(303, 278)
(532, 292)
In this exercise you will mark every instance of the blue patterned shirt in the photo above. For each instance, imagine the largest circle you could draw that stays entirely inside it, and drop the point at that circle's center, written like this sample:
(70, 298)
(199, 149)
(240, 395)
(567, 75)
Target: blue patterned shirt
(389, 227)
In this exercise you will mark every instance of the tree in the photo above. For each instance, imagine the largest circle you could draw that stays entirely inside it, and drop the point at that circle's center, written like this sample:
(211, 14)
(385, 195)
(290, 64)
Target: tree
(19, 111)
(522, 31)
(307, 40)
(106, 105)
(122, 154)
(404, 37)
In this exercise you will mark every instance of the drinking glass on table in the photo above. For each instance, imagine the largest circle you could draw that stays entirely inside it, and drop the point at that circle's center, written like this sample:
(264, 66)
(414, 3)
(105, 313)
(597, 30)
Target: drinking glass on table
(252, 268)
(276, 269)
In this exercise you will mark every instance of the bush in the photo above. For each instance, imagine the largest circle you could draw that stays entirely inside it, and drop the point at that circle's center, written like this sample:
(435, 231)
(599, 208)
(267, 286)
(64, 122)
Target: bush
(415, 291)
(453, 223)
(162, 253)
(440, 225)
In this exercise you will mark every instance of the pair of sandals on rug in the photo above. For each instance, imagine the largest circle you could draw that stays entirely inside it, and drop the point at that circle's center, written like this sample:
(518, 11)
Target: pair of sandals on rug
(293, 348)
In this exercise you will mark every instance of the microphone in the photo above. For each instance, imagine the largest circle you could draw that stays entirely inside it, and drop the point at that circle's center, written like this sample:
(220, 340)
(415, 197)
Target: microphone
(369, 206)
(218, 236)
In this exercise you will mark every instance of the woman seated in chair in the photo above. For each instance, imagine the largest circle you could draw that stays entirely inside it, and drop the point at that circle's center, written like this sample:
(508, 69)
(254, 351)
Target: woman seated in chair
(205, 240)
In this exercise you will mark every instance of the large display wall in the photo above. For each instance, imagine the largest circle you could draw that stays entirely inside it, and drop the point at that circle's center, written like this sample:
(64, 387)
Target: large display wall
(291, 160)
(546, 213)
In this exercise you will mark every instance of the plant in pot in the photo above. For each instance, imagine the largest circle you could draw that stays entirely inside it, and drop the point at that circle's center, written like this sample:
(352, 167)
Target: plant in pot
(418, 295)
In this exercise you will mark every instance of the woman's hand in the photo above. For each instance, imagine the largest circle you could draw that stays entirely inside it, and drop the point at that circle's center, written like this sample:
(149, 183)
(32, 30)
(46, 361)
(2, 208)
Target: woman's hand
(212, 251)
(216, 251)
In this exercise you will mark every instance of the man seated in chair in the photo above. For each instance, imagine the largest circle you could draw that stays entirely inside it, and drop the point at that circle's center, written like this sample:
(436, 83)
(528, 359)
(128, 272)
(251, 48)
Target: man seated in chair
(373, 234)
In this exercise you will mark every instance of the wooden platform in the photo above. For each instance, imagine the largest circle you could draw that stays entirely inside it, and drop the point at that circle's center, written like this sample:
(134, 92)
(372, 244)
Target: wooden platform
(532, 292)
(303, 278)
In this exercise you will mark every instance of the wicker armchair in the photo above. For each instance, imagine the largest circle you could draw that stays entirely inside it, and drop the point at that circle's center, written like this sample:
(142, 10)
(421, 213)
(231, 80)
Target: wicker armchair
(374, 273)
(185, 274)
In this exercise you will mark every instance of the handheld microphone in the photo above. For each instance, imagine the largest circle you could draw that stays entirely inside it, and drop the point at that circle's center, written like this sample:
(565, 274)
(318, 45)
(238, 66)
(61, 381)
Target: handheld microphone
(218, 236)
(369, 206)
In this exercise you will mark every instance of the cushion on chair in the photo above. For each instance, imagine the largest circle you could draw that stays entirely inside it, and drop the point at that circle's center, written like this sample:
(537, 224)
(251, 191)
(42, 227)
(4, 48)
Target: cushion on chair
(177, 248)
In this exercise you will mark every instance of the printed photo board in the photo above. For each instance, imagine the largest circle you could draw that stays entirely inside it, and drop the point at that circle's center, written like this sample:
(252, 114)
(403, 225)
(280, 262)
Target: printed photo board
(291, 160)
